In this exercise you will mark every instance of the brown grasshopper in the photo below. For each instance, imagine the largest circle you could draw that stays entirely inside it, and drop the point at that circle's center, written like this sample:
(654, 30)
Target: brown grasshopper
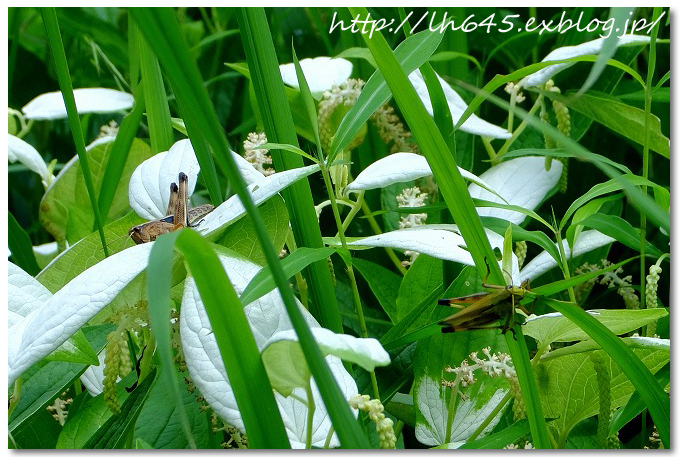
(484, 308)
(177, 217)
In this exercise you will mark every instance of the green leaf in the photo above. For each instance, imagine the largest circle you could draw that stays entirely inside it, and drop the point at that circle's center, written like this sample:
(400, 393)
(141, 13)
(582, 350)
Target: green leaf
(583, 212)
(556, 328)
(76, 349)
(383, 283)
(158, 422)
(263, 282)
(65, 212)
(411, 54)
(358, 53)
(286, 366)
(565, 153)
(40, 431)
(623, 119)
(114, 433)
(87, 253)
(20, 246)
(423, 277)
(519, 234)
(621, 230)
(568, 383)
(656, 399)
(89, 419)
(45, 381)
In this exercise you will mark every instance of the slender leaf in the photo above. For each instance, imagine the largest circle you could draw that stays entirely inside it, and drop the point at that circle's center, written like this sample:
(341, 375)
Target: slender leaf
(621, 230)
(502, 438)
(20, 246)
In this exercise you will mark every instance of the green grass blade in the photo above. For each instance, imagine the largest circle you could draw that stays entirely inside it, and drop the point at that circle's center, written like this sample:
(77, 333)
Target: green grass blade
(411, 54)
(157, 109)
(247, 375)
(163, 33)
(49, 16)
(278, 124)
(621, 230)
(119, 154)
(263, 282)
(501, 439)
(655, 398)
(159, 273)
(20, 246)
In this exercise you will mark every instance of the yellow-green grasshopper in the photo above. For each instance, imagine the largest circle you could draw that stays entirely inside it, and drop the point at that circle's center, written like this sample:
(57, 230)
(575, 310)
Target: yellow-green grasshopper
(481, 309)
(177, 217)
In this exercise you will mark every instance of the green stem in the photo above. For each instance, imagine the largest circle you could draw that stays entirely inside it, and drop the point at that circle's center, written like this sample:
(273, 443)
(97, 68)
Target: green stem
(453, 402)
(328, 438)
(16, 396)
(489, 418)
(518, 131)
(310, 414)
(565, 265)
(376, 229)
(356, 206)
(350, 269)
(302, 284)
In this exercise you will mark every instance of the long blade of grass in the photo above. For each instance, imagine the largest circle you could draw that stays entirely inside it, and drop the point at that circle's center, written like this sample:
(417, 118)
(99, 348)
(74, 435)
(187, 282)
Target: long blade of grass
(247, 375)
(20, 246)
(655, 398)
(278, 124)
(119, 153)
(49, 16)
(457, 199)
(163, 33)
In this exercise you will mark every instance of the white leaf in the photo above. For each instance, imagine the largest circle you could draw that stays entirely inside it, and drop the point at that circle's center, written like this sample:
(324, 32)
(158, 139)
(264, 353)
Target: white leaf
(457, 105)
(568, 52)
(442, 241)
(522, 182)
(587, 241)
(365, 352)
(45, 253)
(24, 294)
(59, 317)
(469, 414)
(88, 100)
(266, 316)
(27, 155)
(321, 73)
(398, 167)
(149, 189)
(261, 191)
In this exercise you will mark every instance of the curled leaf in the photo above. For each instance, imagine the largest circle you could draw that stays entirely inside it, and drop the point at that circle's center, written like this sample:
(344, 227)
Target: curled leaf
(321, 73)
(88, 100)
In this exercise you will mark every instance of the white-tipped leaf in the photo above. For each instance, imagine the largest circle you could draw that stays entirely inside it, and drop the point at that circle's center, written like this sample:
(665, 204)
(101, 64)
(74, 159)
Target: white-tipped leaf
(568, 52)
(457, 105)
(59, 317)
(587, 241)
(399, 167)
(260, 192)
(441, 241)
(266, 316)
(19, 150)
(522, 182)
(88, 100)
(321, 73)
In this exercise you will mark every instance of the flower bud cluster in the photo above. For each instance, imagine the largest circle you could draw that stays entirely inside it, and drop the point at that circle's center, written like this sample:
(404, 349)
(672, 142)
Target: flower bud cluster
(409, 198)
(383, 424)
(390, 128)
(521, 252)
(611, 279)
(651, 286)
(258, 157)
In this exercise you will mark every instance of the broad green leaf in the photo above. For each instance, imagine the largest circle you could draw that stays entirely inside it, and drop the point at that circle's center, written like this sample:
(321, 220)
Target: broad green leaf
(158, 423)
(76, 349)
(20, 246)
(554, 327)
(656, 399)
(263, 282)
(568, 384)
(623, 119)
(424, 276)
(45, 380)
(113, 434)
(383, 283)
(65, 209)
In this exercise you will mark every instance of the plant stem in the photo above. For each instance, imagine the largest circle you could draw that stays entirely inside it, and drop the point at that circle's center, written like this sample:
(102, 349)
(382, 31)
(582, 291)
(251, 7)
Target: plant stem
(310, 413)
(520, 128)
(356, 206)
(489, 418)
(565, 265)
(16, 396)
(350, 269)
(376, 229)
(453, 402)
(301, 282)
